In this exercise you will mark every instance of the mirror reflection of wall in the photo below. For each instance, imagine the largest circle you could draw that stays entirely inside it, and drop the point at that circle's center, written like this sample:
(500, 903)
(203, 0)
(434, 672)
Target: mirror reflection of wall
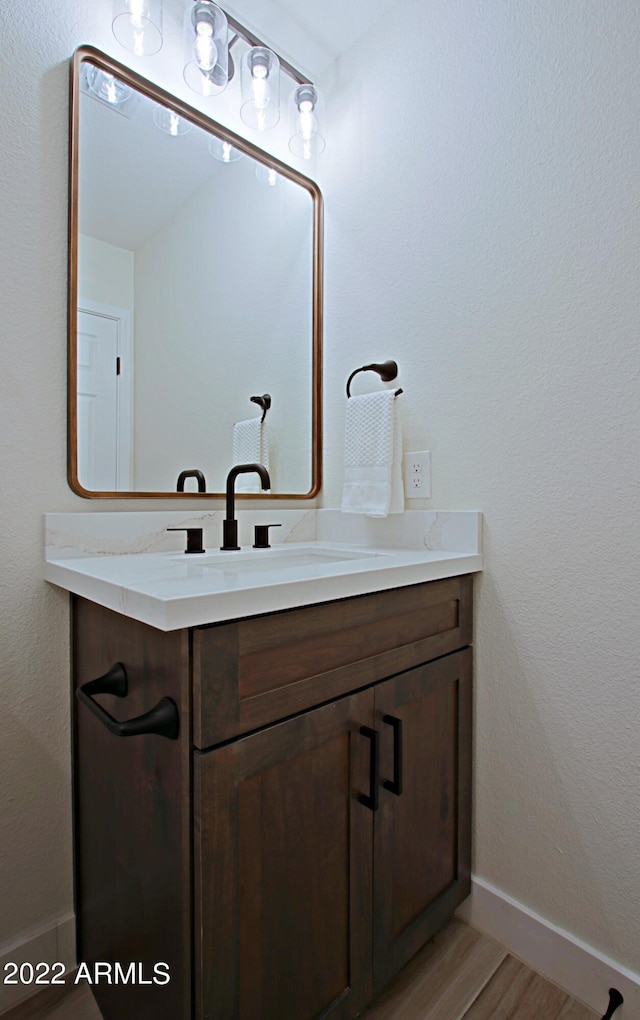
(196, 277)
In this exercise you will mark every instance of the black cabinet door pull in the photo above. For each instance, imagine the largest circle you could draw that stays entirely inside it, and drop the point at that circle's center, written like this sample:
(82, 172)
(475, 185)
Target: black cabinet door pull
(370, 800)
(395, 785)
(162, 719)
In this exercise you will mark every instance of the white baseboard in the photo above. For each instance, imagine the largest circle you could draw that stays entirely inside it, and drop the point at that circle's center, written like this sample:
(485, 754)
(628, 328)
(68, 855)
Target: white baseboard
(56, 944)
(585, 973)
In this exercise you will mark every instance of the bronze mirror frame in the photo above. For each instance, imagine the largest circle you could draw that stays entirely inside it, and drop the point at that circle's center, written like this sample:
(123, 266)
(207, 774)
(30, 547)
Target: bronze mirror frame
(201, 120)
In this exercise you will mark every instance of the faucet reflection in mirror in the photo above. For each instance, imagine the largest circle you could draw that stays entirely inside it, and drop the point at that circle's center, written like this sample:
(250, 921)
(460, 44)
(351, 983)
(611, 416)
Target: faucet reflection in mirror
(209, 67)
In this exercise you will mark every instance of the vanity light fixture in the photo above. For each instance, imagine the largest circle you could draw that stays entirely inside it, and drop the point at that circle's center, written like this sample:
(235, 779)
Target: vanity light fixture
(137, 25)
(169, 121)
(209, 37)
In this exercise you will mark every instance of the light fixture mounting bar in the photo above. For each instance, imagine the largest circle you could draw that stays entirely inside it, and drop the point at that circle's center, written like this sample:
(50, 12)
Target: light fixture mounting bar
(254, 40)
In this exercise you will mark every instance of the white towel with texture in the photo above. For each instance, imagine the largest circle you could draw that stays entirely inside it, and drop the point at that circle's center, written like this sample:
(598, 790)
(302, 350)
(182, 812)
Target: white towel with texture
(373, 456)
(250, 446)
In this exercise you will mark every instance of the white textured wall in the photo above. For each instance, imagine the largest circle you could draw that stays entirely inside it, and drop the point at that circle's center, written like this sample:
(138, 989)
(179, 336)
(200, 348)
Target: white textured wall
(105, 273)
(482, 196)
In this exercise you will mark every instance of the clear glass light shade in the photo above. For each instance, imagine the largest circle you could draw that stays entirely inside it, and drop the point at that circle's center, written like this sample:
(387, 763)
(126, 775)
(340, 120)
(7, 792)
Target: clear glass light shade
(260, 88)
(169, 121)
(107, 88)
(306, 118)
(224, 151)
(206, 50)
(137, 25)
(266, 175)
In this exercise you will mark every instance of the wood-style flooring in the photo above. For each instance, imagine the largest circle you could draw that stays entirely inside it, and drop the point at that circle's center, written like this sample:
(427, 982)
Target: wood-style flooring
(460, 975)
(464, 975)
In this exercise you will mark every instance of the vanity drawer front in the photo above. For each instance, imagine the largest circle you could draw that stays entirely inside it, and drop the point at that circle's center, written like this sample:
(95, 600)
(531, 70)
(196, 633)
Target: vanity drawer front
(252, 672)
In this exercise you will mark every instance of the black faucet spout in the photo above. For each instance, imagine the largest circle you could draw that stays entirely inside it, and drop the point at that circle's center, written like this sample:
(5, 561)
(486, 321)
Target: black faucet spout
(230, 525)
(194, 473)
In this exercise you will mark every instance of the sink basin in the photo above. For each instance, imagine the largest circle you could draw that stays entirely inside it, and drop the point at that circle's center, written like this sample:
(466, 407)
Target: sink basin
(278, 558)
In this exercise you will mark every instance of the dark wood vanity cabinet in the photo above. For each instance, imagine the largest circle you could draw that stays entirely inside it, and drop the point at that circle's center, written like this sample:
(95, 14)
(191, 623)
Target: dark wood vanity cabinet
(307, 831)
(279, 808)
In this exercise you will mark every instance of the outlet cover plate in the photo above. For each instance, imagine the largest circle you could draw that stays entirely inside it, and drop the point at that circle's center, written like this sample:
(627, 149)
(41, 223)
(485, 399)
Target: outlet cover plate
(417, 474)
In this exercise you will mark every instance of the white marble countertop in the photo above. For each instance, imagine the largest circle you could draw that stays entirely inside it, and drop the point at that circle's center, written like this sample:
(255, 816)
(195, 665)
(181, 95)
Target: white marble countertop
(122, 562)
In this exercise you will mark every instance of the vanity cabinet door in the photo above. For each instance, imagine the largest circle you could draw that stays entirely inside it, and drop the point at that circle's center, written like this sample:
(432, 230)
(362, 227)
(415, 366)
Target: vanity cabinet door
(422, 843)
(283, 852)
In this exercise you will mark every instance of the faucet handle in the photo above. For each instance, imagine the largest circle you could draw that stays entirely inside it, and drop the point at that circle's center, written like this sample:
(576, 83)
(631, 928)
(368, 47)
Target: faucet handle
(194, 539)
(261, 540)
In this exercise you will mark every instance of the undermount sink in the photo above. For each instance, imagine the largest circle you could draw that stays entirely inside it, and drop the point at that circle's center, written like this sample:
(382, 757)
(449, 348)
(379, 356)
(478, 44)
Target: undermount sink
(277, 558)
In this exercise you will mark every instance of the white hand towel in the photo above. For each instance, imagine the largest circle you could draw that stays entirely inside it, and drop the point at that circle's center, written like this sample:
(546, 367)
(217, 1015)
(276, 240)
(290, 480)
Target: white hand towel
(250, 446)
(373, 456)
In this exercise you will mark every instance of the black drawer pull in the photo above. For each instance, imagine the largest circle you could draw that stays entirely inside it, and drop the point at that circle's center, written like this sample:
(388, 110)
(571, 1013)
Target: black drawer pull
(370, 800)
(395, 785)
(162, 719)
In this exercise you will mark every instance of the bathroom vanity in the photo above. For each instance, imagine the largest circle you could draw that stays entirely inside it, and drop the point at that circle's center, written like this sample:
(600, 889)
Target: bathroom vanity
(272, 746)
(305, 827)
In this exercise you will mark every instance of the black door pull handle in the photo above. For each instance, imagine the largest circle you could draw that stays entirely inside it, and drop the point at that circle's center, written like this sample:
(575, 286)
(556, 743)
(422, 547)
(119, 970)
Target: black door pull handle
(395, 785)
(163, 719)
(370, 800)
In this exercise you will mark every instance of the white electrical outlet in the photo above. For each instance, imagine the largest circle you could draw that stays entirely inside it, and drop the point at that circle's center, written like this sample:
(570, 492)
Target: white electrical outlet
(417, 475)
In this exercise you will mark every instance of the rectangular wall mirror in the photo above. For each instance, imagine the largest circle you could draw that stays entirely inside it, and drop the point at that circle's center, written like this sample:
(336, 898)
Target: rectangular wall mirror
(195, 285)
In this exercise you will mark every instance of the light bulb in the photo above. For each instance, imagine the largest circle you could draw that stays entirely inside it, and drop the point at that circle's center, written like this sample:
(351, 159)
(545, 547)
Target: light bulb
(266, 175)
(306, 140)
(137, 25)
(106, 87)
(260, 91)
(260, 88)
(307, 124)
(136, 7)
(170, 122)
(110, 92)
(224, 151)
(205, 49)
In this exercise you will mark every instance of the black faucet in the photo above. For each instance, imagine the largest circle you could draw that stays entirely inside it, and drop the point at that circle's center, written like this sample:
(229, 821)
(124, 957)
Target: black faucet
(230, 524)
(195, 473)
